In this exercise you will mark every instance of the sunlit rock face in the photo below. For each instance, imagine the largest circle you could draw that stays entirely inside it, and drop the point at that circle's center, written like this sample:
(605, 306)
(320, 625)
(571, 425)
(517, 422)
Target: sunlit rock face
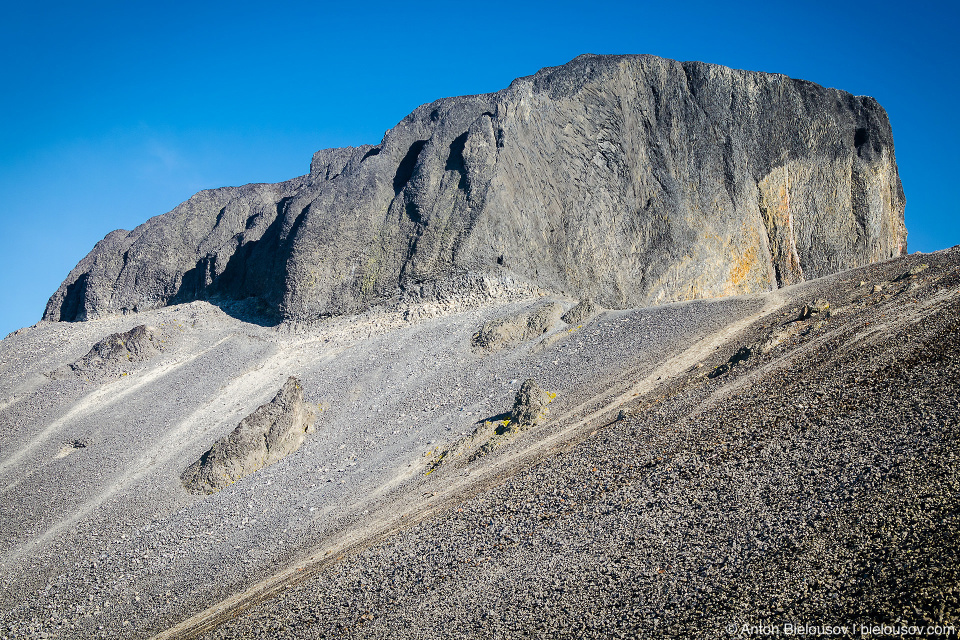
(632, 180)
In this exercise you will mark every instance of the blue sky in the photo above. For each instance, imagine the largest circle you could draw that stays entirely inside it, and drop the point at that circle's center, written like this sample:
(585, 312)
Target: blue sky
(114, 112)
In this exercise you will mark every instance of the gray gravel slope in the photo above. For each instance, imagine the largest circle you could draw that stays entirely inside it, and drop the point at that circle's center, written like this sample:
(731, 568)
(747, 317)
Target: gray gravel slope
(815, 484)
(815, 481)
(103, 541)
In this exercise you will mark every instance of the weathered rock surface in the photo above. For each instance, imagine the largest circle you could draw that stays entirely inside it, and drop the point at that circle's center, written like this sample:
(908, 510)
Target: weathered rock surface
(633, 180)
(581, 312)
(273, 431)
(116, 354)
(517, 327)
(810, 482)
(742, 355)
(530, 405)
(775, 493)
(815, 308)
(529, 409)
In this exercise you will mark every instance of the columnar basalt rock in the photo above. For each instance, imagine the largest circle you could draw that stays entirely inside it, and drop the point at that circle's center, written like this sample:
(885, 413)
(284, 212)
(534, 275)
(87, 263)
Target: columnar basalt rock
(633, 180)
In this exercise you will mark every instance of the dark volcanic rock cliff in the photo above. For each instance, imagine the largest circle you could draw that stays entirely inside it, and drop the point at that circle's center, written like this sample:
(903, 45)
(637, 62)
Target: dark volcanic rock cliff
(629, 179)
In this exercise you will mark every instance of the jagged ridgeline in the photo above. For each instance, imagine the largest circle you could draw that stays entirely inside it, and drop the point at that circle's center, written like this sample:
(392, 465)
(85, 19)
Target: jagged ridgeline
(632, 180)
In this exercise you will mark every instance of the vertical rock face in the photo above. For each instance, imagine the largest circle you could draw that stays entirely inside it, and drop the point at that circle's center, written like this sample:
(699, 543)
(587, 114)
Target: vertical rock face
(273, 431)
(632, 180)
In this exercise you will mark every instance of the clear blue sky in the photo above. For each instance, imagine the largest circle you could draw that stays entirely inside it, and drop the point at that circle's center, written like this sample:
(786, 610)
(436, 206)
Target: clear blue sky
(114, 112)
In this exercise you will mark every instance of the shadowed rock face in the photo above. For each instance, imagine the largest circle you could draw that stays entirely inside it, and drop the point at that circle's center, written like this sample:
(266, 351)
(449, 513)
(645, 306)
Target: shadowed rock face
(273, 431)
(632, 180)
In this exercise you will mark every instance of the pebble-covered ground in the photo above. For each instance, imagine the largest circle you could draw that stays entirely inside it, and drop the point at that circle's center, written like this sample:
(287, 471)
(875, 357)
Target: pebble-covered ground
(793, 472)
(816, 484)
(98, 538)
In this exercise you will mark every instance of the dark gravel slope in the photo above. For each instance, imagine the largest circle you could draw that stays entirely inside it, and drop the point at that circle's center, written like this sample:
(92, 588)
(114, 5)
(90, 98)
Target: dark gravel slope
(814, 484)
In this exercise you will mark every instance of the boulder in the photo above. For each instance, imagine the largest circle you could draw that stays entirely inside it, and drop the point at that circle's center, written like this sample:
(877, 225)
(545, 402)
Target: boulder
(529, 406)
(818, 307)
(582, 312)
(116, 355)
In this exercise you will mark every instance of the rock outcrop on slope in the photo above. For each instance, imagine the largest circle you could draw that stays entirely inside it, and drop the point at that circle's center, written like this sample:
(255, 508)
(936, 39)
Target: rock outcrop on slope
(633, 180)
(765, 489)
(530, 406)
(117, 354)
(581, 312)
(776, 493)
(522, 325)
(267, 435)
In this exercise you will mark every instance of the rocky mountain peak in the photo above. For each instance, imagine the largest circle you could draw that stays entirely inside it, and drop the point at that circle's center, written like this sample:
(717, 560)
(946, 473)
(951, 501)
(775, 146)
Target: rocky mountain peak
(631, 180)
